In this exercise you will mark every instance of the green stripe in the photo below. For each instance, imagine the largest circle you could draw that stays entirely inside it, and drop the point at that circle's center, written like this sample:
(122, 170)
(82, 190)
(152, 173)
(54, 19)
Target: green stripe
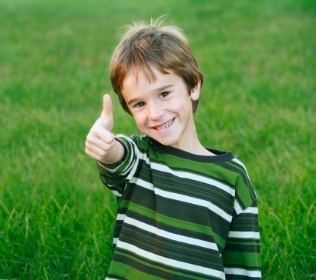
(175, 222)
(238, 259)
(138, 267)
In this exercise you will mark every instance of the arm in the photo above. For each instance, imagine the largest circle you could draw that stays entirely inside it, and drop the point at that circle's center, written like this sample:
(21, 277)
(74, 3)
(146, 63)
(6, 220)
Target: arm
(241, 255)
(100, 142)
(115, 176)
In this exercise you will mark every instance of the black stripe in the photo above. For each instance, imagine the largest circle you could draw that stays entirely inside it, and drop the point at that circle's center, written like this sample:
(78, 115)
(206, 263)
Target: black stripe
(240, 247)
(245, 223)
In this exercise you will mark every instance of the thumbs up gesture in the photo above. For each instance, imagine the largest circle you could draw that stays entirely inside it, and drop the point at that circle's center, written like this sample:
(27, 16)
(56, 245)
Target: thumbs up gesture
(107, 114)
(100, 142)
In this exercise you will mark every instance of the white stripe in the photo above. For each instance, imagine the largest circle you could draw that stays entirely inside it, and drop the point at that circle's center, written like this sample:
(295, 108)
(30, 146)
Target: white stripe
(142, 183)
(132, 165)
(244, 272)
(171, 262)
(169, 235)
(244, 234)
(107, 168)
(251, 210)
(237, 207)
(241, 164)
(183, 198)
(245, 169)
(194, 177)
(195, 201)
(120, 217)
(116, 193)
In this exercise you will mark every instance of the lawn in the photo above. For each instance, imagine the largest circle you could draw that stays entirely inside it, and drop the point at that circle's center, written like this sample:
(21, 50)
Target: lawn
(258, 100)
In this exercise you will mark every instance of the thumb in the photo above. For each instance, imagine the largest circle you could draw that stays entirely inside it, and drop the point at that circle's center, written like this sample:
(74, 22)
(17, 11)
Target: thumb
(107, 106)
(107, 115)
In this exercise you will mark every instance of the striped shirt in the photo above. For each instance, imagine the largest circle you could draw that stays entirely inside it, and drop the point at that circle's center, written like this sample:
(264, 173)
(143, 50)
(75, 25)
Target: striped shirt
(180, 215)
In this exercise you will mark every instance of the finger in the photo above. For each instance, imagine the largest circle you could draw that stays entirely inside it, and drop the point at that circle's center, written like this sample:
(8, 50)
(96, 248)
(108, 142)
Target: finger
(102, 140)
(96, 153)
(97, 149)
(100, 129)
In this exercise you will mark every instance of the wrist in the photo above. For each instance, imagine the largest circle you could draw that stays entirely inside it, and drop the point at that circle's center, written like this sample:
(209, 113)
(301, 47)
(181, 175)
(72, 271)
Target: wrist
(115, 155)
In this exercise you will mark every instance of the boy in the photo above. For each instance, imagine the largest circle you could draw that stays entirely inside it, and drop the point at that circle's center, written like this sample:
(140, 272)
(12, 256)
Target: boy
(184, 211)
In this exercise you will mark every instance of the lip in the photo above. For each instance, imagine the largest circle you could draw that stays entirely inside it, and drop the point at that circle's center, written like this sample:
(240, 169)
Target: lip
(164, 126)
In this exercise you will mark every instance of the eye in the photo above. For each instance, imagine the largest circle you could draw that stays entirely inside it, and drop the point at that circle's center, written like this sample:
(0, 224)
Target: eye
(164, 94)
(139, 104)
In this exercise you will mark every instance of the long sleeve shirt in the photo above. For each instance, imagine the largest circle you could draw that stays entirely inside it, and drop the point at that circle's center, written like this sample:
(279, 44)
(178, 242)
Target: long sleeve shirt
(180, 215)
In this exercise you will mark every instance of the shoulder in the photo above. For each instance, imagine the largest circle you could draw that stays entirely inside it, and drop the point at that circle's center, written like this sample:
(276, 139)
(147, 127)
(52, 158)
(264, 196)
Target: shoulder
(245, 193)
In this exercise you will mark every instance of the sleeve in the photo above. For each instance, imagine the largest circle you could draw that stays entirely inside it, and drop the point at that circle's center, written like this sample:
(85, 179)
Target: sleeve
(115, 176)
(241, 255)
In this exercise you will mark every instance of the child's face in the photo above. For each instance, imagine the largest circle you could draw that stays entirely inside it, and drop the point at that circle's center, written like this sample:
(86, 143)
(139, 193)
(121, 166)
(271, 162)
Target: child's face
(162, 108)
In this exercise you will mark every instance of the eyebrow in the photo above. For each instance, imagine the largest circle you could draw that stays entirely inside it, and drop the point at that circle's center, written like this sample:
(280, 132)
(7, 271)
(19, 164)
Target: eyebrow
(163, 88)
(160, 89)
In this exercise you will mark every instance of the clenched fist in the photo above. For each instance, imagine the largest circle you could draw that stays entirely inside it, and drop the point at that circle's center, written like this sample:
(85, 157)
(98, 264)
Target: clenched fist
(100, 142)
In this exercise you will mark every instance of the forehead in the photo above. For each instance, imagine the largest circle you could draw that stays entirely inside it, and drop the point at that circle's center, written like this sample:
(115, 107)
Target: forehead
(140, 76)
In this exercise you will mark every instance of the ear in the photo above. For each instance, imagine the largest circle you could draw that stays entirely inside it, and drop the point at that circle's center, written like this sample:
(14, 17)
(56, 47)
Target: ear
(195, 92)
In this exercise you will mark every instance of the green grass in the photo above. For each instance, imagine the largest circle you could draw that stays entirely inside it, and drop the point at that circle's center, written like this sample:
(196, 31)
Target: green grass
(258, 100)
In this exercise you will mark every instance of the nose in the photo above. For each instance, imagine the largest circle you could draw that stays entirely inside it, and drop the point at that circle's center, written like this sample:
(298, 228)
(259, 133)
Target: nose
(155, 112)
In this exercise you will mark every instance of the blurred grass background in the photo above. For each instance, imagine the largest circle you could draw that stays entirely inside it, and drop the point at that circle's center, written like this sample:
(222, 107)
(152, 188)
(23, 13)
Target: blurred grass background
(258, 100)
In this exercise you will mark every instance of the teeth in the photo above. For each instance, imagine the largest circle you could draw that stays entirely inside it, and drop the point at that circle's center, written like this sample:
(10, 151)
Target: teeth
(164, 126)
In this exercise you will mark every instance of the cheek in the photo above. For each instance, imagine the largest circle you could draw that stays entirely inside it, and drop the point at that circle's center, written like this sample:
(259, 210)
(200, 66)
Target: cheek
(139, 120)
(184, 103)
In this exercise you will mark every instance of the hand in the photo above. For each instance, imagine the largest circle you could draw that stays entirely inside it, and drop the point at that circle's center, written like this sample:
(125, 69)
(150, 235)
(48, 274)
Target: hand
(100, 142)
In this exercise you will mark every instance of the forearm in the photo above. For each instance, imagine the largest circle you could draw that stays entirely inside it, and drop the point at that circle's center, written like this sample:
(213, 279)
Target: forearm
(115, 175)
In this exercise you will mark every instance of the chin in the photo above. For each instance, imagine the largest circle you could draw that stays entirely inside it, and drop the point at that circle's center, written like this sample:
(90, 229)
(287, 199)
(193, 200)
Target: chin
(166, 142)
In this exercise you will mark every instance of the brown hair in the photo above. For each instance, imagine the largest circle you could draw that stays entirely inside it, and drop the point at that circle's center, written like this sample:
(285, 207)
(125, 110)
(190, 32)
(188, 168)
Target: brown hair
(154, 45)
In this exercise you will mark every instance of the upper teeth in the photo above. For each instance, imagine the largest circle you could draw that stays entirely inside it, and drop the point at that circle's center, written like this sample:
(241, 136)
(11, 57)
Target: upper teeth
(167, 124)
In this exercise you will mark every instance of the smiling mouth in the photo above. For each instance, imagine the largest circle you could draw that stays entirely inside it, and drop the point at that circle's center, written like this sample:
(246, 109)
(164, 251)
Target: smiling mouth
(164, 126)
